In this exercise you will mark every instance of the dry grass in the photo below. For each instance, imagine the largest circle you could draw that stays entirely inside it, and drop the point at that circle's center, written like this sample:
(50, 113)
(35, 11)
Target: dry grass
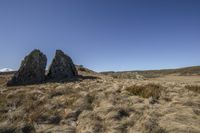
(194, 88)
(3, 107)
(3, 80)
(149, 74)
(101, 105)
(146, 91)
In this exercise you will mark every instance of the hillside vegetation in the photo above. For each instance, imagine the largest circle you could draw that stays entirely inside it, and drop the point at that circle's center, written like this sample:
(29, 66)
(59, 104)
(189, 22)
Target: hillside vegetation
(187, 71)
(97, 103)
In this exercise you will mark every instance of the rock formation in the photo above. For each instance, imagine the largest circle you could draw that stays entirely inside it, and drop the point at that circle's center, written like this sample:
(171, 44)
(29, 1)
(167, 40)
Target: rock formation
(32, 69)
(62, 67)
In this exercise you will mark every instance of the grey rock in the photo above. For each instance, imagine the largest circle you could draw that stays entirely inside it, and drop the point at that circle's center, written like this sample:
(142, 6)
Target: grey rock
(62, 67)
(32, 69)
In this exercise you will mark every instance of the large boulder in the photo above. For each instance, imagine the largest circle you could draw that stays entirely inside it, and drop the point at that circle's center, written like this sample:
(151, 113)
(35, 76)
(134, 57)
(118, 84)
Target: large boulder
(62, 67)
(32, 69)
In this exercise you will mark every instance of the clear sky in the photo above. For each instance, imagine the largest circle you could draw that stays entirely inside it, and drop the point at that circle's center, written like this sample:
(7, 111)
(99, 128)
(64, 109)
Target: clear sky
(103, 34)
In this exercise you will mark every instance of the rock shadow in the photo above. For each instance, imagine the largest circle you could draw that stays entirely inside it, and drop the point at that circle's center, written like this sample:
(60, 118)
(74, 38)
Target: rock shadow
(78, 78)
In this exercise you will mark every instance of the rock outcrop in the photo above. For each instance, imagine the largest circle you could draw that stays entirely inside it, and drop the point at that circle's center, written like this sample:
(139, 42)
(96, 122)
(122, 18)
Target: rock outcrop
(62, 67)
(32, 69)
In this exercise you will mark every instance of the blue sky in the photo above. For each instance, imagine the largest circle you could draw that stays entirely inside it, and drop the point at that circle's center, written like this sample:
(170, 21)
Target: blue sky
(103, 34)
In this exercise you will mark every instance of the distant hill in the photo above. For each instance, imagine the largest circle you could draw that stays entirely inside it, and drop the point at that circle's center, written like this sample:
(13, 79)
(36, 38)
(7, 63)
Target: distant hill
(186, 71)
(6, 70)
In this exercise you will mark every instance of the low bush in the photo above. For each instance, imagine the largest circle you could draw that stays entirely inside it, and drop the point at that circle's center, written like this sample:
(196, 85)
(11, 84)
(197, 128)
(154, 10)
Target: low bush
(194, 88)
(146, 91)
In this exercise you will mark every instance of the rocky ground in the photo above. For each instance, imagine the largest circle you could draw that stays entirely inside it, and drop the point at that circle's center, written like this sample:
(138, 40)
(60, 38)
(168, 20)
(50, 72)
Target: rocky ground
(97, 103)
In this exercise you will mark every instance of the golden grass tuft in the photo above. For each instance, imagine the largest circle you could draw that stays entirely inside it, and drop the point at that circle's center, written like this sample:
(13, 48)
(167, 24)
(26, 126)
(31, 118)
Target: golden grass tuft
(146, 91)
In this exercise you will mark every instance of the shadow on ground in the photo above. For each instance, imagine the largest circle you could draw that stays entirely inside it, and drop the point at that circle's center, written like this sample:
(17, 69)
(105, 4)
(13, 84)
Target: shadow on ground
(67, 80)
